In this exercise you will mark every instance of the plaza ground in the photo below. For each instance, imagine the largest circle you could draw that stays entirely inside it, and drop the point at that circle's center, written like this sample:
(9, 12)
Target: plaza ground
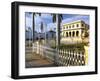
(35, 60)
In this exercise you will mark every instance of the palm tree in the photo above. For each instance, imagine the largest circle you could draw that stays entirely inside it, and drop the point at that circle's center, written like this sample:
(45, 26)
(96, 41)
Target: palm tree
(41, 27)
(29, 37)
(33, 25)
(34, 22)
(58, 18)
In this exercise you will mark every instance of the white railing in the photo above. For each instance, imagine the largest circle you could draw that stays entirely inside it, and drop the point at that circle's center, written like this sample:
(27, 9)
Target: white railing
(62, 57)
(44, 51)
(70, 57)
(49, 53)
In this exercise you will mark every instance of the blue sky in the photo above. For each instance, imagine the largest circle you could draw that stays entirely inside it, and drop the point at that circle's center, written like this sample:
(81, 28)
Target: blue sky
(48, 23)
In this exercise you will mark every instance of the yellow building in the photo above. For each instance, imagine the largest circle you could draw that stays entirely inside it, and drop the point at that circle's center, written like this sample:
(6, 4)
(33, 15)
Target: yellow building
(74, 32)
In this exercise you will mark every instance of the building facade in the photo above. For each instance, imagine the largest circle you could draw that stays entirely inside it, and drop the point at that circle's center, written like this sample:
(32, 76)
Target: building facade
(74, 32)
(51, 34)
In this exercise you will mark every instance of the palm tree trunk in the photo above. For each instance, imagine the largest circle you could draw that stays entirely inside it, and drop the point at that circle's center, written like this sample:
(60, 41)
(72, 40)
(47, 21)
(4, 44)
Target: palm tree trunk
(58, 30)
(33, 27)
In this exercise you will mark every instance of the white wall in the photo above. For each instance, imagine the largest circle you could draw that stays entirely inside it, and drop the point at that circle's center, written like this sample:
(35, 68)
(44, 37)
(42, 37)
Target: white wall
(5, 40)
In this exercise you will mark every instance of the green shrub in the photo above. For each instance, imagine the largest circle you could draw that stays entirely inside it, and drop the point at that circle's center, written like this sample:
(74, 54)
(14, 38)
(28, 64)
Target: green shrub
(72, 46)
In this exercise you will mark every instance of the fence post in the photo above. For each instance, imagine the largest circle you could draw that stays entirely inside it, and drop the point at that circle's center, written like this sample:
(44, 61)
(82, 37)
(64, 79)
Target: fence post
(56, 56)
(33, 47)
(86, 54)
(37, 45)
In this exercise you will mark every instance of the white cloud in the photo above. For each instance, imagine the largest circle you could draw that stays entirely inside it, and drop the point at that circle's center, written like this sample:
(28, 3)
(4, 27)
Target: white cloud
(51, 26)
(80, 17)
(46, 16)
(28, 22)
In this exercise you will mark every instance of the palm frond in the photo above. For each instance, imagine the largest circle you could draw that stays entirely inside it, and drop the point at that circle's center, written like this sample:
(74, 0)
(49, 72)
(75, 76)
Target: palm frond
(54, 17)
(61, 17)
(39, 14)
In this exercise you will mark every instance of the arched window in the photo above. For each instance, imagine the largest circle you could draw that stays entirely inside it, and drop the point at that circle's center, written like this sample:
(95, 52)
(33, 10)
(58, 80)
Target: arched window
(82, 24)
(66, 34)
(69, 34)
(63, 27)
(77, 25)
(73, 34)
(69, 26)
(77, 33)
(73, 26)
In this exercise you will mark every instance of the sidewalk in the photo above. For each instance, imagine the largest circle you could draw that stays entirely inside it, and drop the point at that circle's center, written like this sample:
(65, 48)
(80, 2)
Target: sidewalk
(35, 60)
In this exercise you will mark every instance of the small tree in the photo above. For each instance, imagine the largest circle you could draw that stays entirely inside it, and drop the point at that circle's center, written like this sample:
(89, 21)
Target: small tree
(57, 18)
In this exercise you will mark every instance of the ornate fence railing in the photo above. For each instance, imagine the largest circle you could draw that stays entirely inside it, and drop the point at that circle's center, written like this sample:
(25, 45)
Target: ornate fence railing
(62, 57)
(70, 57)
(44, 51)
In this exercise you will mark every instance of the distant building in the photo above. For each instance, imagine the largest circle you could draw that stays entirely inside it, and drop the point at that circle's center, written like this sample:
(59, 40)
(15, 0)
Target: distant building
(50, 34)
(74, 32)
(29, 35)
(41, 36)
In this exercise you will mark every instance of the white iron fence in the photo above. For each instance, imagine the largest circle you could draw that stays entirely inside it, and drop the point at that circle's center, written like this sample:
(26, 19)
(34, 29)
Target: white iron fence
(62, 57)
(44, 51)
(70, 57)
